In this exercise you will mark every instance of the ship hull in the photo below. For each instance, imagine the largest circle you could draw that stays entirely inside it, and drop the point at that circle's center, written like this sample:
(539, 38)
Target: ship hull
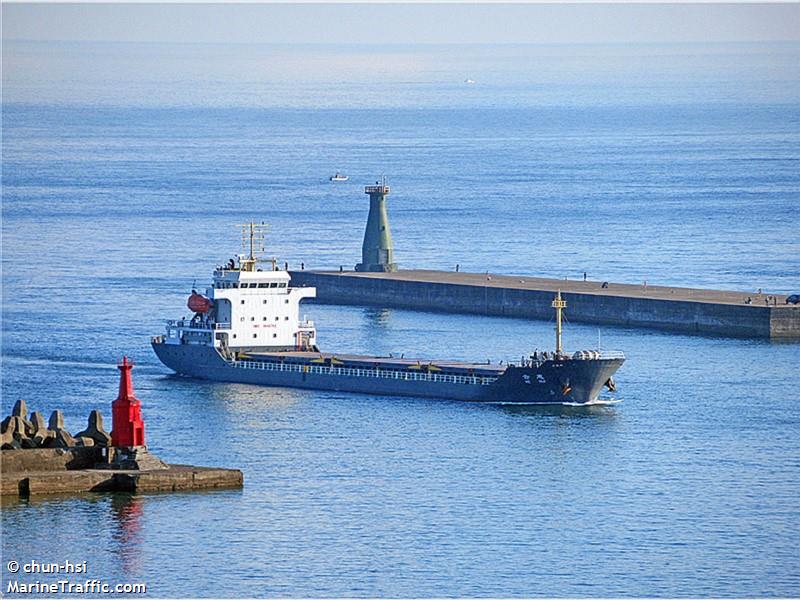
(549, 382)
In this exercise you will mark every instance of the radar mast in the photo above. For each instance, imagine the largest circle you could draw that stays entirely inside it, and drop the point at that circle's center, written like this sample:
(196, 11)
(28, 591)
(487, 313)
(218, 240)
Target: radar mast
(559, 305)
(252, 244)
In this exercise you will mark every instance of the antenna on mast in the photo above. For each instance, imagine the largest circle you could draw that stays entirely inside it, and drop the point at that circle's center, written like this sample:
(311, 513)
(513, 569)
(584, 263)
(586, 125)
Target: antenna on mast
(252, 243)
(559, 305)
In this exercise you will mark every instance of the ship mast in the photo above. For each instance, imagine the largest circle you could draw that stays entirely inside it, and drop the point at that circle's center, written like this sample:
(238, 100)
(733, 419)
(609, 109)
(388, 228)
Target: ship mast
(252, 236)
(559, 305)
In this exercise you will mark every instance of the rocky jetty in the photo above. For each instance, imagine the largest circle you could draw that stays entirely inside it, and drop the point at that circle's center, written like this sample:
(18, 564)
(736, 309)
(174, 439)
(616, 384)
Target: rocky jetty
(44, 458)
(39, 457)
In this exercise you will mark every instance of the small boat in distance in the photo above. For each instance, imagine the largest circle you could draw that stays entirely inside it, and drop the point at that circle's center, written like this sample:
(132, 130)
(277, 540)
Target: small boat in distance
(339, 177)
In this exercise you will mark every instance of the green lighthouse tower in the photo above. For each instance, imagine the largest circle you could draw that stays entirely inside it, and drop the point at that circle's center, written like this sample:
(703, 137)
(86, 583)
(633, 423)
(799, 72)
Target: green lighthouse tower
(377, 254)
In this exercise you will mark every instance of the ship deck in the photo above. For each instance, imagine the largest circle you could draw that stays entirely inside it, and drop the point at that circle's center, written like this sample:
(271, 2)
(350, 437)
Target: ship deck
(383, 362)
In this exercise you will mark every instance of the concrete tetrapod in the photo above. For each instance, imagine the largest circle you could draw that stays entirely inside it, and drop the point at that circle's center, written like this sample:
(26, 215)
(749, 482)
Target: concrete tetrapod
(40, 432)
(95, 430)
(7, 439)
(21, 410)
(62, 437)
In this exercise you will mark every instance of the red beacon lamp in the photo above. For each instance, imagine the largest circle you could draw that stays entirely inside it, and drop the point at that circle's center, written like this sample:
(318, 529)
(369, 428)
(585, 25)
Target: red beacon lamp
(127, 425)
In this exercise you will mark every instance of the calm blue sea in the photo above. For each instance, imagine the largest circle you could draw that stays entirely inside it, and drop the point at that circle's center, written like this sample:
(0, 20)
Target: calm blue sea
(125, 169)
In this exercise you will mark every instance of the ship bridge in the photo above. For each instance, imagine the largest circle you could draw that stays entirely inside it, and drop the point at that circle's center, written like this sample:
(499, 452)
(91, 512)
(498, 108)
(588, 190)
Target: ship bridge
(247, 307)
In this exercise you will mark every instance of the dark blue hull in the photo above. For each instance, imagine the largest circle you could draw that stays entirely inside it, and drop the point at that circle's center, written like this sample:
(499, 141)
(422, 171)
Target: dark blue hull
(549, 382)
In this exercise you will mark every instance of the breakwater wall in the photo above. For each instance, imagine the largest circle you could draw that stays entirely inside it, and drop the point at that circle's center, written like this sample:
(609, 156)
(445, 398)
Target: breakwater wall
(717, 312)
(41, 458)
(34, 472)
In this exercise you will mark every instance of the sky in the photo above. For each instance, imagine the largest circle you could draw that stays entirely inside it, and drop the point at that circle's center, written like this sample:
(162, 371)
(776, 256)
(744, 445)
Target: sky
(402, 23)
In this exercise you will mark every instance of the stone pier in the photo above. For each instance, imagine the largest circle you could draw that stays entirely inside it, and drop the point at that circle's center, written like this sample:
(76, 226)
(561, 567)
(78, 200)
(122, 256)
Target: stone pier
(716, 312)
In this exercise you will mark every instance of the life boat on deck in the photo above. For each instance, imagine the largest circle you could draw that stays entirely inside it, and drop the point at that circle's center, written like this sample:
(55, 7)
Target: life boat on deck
(198, 303)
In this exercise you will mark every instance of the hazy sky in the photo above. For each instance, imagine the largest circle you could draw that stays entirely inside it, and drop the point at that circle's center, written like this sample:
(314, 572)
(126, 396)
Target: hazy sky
(402, 23)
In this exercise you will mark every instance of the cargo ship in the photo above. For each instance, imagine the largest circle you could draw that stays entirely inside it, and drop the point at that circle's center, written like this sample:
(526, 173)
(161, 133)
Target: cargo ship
(246, 328)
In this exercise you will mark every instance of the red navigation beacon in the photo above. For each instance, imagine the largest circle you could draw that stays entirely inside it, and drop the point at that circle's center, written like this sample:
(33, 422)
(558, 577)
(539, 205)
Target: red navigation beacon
(127, 425)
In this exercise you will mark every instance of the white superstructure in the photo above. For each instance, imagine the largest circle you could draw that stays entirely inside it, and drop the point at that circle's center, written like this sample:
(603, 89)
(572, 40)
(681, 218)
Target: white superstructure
(247, 308)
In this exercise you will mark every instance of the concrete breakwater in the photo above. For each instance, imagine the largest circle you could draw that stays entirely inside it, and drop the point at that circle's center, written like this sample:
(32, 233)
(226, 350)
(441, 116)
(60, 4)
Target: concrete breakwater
(735, 314)
(44, 458)
(35, 472)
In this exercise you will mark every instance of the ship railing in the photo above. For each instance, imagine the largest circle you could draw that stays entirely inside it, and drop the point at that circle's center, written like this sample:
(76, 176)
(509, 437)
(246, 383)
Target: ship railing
(185, 324)
(543, 357)
(611, 354)
(358, 372)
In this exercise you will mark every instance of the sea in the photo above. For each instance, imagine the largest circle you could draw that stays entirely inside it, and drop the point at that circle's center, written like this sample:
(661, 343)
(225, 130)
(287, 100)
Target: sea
(126, 169)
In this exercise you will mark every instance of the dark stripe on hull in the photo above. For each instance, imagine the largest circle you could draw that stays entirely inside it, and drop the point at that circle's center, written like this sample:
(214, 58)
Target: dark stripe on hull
(554, 382)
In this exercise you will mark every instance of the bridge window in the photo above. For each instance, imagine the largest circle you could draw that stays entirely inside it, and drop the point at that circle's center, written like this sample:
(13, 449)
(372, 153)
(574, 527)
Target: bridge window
(273, 284)
(282, 284)
(263, 285)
